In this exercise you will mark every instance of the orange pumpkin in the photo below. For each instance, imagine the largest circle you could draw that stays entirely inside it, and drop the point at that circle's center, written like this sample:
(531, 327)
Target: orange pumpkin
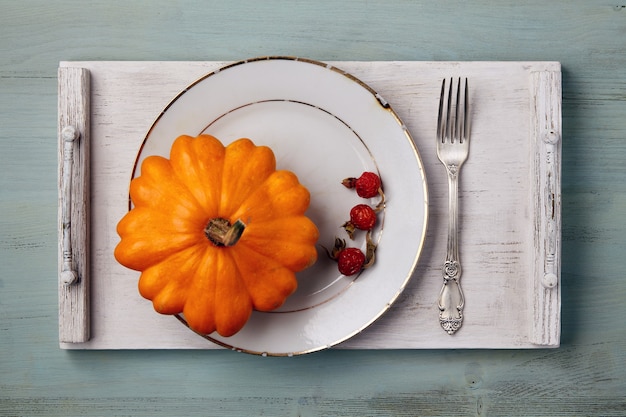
(216, 232)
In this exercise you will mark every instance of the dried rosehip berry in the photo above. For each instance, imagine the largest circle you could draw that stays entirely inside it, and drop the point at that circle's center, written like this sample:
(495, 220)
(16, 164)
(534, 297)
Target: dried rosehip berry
(350, 261)
(368, 185)
(362, 217)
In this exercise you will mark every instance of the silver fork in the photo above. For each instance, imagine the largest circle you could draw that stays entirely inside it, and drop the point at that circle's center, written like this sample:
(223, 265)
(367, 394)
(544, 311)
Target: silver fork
(453, 133)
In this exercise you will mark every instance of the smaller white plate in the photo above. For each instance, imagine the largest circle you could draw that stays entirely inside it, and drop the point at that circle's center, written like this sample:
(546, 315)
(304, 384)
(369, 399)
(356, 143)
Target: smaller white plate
(324, 125)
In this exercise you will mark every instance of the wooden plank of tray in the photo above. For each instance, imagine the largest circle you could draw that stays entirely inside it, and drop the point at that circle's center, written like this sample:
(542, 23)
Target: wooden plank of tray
(510, 194)
(74, 198)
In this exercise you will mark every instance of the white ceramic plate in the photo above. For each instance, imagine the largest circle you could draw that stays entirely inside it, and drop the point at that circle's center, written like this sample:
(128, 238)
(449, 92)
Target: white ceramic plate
(324, 125)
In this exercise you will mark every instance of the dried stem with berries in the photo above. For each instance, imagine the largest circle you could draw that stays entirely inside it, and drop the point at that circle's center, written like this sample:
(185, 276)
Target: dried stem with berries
(362, 217)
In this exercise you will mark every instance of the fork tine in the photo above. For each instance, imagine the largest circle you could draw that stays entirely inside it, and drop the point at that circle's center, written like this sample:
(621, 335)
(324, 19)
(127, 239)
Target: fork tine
(458, 115)
(448, 129)
(466, 114)
(440, 126)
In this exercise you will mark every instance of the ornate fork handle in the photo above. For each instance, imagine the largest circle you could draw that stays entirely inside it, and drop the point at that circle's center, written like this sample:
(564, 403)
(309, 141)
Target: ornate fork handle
(451, 299)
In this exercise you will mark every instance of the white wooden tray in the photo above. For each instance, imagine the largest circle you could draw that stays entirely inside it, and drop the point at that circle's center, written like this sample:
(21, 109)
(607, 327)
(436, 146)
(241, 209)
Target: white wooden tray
(510, 194)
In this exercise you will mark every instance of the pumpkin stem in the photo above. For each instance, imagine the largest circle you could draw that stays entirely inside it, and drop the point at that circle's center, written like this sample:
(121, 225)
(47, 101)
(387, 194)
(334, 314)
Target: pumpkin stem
(221, 233)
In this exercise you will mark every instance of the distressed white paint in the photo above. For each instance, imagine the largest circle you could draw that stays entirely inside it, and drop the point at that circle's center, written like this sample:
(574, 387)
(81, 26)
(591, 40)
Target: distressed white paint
(498, 224)
(74, 198)
(545, 116)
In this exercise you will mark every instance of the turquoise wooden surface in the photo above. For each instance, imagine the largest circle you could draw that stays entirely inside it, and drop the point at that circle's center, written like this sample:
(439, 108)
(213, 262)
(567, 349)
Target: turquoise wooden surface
(586, 376)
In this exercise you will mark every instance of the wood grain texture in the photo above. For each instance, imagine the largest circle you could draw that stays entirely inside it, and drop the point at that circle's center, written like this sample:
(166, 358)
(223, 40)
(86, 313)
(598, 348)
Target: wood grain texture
(74, 134)
(545, 176)
(585, 376)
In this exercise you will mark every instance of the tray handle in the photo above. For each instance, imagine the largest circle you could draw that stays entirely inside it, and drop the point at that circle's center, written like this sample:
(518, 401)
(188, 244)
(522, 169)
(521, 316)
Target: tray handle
(546, 290)
(73, 220)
